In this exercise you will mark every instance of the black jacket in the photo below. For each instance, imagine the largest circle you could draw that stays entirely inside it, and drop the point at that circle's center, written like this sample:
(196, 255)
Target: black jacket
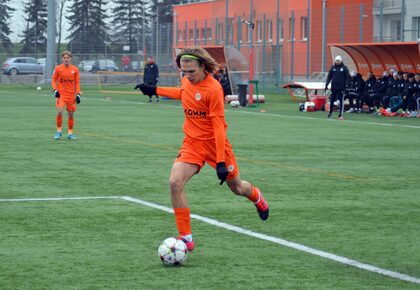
(381, 85)
(393, 87)
(370, 83)
(339, 77)
(151, 74)
(357, 84)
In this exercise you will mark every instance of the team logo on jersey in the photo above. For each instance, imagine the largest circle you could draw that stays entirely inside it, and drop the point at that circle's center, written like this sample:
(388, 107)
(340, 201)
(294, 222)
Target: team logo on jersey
(198, 96)
(231, 168)
(341, 69)
(72, 72)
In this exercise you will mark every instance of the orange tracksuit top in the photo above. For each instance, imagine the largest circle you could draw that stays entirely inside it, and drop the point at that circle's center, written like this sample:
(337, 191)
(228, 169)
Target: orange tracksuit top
(204, 113)
(66, 80)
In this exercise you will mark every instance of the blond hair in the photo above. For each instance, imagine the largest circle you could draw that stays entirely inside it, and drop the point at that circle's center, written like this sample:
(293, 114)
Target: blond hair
(198, 54)
(66, 52)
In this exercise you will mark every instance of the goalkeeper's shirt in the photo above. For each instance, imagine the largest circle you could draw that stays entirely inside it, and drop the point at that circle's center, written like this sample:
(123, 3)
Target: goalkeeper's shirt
(66, 79)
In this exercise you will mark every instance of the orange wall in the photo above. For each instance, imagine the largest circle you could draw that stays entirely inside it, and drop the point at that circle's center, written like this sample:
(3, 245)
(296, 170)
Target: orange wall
(197, 13)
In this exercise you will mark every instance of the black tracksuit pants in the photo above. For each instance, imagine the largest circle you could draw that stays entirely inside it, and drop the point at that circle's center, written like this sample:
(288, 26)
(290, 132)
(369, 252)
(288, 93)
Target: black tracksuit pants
(337, 95)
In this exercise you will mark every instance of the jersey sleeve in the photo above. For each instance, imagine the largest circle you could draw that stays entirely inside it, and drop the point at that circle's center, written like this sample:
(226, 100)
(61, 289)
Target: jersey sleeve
(77, 81)
(219, 137)
(54, 79)
(170, 92)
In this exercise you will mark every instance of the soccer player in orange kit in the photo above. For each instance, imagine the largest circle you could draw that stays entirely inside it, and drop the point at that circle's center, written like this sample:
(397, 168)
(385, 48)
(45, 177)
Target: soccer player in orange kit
(205, 137)
(66, 86)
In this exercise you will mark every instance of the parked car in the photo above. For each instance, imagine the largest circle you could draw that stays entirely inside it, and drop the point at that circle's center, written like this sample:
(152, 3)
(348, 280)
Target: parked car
(22, 65)
(86, 65)
(104, 65)
(42, 61)
(135, 66)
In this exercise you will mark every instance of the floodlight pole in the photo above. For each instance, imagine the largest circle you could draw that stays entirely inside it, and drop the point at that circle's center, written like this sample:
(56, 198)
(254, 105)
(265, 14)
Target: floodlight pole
(51, 46)
(251, 26)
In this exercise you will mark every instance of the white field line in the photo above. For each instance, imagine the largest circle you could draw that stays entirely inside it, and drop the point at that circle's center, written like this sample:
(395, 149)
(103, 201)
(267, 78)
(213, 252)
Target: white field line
(58, 198)
(331, 120)
(293, 245)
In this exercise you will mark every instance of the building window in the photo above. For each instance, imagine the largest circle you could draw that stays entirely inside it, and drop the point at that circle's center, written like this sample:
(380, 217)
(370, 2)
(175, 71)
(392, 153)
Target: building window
(259, 31)
(416, 28)
(292, 35)
(220, 32)
(191, 34)
(270, 30)
(304, 28)
(396, 30)
(208, 33)
(180, 35)
(203, 33)
(281, 29)
(248, 34)
(197, 34)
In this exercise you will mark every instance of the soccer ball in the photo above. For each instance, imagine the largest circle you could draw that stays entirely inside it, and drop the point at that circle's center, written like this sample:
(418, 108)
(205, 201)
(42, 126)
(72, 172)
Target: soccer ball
(172, 252)
(38, 88)
(234, 104)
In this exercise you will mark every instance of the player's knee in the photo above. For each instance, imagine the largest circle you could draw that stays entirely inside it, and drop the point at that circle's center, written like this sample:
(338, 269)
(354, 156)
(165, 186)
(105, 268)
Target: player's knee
(175, 185)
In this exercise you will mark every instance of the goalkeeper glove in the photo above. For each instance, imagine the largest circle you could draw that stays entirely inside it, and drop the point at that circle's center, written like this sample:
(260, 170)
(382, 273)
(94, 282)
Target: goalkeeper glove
(56, 94)
(78, 99)
(222, 172)
(146, 89)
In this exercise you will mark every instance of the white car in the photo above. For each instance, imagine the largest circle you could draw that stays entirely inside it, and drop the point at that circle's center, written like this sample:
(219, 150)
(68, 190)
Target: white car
(86, 65)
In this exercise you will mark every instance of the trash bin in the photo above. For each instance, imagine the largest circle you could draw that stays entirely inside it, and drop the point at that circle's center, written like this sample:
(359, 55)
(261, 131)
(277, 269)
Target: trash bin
(242, 90)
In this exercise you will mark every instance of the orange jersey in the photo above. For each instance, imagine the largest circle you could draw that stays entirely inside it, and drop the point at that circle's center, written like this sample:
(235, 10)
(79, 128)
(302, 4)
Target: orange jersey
(201, 102)
(66, 80)
(203, 105)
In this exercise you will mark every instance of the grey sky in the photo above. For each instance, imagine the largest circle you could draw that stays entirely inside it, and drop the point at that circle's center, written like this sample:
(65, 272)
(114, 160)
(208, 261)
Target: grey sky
(17, 22)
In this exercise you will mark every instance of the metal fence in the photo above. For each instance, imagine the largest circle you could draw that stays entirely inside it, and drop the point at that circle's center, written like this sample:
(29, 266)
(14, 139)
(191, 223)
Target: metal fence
(286, 44)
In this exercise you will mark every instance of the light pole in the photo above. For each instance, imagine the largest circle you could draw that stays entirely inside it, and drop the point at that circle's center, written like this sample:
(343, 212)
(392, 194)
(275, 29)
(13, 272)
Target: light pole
(251, 27)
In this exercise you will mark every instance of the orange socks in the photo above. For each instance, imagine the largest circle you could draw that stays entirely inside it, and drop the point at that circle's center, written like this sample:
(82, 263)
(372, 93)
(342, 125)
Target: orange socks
(183, 220)
(255, 194)
(70, 123)
(59, 121)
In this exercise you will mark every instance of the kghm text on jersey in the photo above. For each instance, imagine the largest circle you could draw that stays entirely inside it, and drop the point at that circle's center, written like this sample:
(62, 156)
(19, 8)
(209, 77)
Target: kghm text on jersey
(195, 114)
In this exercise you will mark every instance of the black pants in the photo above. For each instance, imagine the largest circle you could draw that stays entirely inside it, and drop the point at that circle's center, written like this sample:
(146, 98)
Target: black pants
(376, 99)
(368, 100)
(354, 100)
(385, 101)
(336, 95)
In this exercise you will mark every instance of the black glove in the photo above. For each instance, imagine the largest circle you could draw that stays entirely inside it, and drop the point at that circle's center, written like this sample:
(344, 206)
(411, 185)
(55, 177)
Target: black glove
(146, 89)
(78, 99)
(222, 172)
(56, 94)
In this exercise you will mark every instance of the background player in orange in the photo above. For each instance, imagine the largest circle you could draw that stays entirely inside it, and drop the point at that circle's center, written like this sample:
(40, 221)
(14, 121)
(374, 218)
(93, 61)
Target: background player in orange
(205, 137)
(66, 86)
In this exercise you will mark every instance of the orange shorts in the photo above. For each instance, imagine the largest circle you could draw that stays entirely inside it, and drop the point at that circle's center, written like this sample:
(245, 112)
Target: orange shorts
(199, 152)
(70, 103)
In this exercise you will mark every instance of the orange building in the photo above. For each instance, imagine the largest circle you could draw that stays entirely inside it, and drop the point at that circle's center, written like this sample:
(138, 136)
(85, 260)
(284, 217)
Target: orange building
(287, 38)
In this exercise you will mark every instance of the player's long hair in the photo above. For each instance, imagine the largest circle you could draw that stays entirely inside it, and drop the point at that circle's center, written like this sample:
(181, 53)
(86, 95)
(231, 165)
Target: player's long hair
(201, 55)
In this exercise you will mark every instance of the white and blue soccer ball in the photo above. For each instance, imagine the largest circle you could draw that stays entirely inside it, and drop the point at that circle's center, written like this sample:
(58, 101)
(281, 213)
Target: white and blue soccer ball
(234, 104)
(172, 252)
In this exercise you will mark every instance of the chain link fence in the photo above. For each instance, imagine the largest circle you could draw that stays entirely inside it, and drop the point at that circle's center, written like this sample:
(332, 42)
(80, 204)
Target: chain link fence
(286, 44)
